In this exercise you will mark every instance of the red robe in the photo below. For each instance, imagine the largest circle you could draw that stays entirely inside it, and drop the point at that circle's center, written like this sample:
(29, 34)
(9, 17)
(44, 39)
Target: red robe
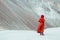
(41, 25)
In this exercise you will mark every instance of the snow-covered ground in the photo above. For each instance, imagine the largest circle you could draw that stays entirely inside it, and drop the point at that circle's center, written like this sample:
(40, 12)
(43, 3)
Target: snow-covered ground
(50, 34)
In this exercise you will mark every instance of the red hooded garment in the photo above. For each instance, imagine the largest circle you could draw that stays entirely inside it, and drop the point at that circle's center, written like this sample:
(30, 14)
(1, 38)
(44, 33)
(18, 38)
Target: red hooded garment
(41, 24)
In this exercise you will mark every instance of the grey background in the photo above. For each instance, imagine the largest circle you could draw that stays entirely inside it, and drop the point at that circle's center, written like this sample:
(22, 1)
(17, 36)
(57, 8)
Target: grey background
(21, 14)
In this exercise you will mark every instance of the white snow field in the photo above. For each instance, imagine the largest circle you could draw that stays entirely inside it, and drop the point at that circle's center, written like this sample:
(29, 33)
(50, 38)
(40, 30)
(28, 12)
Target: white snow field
(50, 34)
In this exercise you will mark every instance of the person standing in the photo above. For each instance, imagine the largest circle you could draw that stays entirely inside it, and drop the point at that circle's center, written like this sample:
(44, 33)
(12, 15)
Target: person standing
(40, 28)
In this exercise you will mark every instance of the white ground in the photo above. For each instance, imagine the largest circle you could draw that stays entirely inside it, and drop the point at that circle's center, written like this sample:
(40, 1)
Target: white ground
(50, 34)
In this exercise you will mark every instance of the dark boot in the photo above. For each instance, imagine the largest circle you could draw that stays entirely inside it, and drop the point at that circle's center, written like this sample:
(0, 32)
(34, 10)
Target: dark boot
(41, 33)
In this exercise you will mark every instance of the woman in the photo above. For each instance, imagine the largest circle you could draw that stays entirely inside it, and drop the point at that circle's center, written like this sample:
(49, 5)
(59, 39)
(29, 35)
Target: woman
(40, 28)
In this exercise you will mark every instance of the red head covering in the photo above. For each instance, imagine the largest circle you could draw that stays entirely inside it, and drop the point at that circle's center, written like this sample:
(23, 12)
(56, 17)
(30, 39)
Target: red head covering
(42, 15)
